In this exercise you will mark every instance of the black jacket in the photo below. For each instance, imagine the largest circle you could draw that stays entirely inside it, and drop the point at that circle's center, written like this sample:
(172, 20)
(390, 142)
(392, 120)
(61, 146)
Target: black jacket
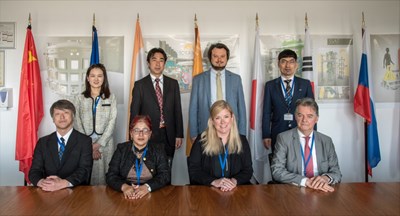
(124, 158)
(75, 166)
(204, 169)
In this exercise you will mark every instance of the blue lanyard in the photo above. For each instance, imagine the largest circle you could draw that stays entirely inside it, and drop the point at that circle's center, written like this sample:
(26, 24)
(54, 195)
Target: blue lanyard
(223, 163)
(139, 167)
(96, 101)
(291, 90)
(309, 156)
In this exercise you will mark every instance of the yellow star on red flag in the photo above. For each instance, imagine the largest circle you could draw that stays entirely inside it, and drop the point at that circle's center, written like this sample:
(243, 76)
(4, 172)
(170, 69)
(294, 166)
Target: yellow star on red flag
(31, 57)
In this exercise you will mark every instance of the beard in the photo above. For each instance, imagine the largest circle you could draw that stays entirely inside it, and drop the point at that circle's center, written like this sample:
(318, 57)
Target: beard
(218, 68)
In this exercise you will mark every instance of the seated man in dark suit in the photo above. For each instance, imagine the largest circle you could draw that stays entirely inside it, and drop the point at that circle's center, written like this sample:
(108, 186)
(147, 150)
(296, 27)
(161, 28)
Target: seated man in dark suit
(303, 156)
(64, 158)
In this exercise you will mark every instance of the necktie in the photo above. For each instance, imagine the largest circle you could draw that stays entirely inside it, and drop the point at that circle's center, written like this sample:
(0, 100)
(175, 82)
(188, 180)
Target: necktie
(160, 101)
(307, 152)
(62, 148)
(219, 86)
(288, 96)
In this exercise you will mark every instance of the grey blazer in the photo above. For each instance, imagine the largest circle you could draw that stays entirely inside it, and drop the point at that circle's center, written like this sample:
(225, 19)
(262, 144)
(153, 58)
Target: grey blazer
(200, 101)
(287, 161)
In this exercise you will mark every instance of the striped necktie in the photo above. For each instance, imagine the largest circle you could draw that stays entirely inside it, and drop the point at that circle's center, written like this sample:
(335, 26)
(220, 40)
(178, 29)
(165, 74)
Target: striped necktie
(62, 148)
(288, 96)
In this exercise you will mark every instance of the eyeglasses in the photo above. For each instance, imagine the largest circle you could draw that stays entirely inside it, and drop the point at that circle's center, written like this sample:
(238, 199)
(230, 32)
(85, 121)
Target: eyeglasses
(284, 62)
(145, 131)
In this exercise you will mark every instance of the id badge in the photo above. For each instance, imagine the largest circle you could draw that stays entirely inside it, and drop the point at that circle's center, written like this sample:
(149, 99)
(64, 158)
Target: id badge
(288, 117)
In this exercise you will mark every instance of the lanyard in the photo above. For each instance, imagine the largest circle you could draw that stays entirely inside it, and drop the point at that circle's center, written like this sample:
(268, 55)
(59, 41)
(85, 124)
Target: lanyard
(139, 167)
(223, 163)
(309, 156)
(96, 101)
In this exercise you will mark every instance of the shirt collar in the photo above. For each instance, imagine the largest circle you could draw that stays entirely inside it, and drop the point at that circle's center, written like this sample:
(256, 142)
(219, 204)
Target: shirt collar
(301, 135)
(215, 72)
(291, 78)
(66, 136)
(153, 78)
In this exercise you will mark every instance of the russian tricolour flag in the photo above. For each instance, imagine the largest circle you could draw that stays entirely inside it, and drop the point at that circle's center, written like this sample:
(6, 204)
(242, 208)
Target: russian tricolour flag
(364, 106)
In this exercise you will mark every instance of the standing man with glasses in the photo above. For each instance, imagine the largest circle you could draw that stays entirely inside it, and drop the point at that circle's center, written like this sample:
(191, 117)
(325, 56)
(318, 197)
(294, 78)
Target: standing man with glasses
(280, 95)
(158, 96)
(64, 158)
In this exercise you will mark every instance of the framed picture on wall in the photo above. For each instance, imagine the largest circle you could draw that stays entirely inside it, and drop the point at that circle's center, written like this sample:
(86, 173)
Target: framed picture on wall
(2, 67)
(7, 35)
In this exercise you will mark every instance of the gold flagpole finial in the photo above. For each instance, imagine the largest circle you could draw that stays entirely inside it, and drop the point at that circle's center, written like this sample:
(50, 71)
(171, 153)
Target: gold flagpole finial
(306, 20)
(256, 20)
(195, 20)
(94, 19)
(137, 17)
(29, 19)
(363, 20)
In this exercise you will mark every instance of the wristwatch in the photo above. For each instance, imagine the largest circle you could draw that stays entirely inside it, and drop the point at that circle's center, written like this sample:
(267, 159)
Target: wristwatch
(148, 187)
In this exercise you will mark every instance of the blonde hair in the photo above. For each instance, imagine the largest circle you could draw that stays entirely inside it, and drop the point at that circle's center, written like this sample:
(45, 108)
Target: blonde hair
(211, 142)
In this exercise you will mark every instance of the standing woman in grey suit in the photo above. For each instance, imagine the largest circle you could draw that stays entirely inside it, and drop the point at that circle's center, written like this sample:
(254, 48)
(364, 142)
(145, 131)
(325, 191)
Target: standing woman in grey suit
(96, 111)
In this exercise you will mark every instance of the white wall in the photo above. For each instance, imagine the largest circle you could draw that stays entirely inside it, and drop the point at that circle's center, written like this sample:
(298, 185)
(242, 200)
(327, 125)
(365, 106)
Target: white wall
(117, 18)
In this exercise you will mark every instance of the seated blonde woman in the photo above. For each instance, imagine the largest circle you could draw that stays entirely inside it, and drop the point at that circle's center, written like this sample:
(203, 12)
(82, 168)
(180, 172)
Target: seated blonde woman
(138, 167)
(220, 157)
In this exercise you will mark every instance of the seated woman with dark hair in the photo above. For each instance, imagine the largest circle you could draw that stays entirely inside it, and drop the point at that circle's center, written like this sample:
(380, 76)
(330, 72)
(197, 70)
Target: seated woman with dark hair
(220, 157)
(137, 166)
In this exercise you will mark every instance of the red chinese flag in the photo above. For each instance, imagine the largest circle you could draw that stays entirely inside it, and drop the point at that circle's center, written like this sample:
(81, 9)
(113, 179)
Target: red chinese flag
(30, 106)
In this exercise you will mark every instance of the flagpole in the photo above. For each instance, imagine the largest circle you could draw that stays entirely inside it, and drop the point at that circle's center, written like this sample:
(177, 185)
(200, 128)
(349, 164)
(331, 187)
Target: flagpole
(365, 121)
(29, 27)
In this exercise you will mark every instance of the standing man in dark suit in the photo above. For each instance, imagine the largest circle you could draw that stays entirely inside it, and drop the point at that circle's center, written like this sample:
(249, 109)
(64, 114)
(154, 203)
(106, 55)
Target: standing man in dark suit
(158, 96)
(303, 156)
(212, 85)
(280, 95)
(64, 158)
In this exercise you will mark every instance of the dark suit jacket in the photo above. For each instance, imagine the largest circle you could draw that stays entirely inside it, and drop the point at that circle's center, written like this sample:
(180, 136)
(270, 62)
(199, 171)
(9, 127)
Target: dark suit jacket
(204, 169)
(275, 106)
(287, 160)
(144, 102)
(124, 158)
(76, 164)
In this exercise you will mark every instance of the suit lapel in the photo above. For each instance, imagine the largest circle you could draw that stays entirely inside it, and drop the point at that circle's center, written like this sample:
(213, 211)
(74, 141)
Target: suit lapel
(228, 88)
(166, 88)
(318, 149)
(53, 146)
(70, 145)
(298, 89)
(297, 150)
(149, 87)
(207, 86)
(278, 88)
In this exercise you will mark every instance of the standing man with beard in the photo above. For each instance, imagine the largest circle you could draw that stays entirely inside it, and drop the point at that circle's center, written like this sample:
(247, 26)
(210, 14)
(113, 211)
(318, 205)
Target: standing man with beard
(212, 85)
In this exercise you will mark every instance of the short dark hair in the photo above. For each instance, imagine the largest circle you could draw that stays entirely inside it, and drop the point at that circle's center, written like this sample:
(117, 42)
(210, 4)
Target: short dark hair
(62, 105)
(105, 89)
(153, 51)
(218, 46)
(307, 102)
(287, 53)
